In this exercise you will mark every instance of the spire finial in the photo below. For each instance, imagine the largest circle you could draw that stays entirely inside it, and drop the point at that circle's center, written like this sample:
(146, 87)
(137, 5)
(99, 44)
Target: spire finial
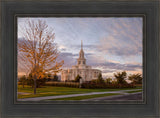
(81, 44)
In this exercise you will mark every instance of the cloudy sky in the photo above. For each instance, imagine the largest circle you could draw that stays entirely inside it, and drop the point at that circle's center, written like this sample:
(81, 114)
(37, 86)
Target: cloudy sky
(111, 44)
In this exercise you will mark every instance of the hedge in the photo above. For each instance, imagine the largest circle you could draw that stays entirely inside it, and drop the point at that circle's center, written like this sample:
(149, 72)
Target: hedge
(63, 84)
(106, 85)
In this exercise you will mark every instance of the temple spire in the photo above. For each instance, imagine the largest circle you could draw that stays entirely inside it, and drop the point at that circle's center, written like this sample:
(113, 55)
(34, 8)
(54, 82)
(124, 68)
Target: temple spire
(81, 53)
(81, 45)
(81, 60)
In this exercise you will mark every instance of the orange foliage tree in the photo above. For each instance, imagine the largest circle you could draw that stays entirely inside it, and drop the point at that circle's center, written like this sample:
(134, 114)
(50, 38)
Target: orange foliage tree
(37, 50)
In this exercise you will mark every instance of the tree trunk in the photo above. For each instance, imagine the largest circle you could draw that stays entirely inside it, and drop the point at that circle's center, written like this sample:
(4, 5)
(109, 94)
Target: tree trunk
(35, 84)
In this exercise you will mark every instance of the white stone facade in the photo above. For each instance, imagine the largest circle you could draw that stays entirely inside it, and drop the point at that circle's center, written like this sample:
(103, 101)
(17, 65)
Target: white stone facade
(85, 71)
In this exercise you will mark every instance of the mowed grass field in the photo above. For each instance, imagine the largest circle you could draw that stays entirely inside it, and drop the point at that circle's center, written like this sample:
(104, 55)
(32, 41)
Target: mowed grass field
(27, 92)
(134, 91)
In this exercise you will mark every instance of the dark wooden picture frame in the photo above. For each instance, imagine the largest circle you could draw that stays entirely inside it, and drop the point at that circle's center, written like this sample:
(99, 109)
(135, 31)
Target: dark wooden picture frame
(150, 12)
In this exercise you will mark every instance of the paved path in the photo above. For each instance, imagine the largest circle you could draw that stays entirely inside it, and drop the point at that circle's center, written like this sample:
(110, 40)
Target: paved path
(128, 96)
(23, 93)
(73, 95)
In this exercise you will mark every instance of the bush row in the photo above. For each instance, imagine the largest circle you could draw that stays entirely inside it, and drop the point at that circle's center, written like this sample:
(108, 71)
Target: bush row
(30, 82)
(89, 85)
(106, 85)
(63, 84)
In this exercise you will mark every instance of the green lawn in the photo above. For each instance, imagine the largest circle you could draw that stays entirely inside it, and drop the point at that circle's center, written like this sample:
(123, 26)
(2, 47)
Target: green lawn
(54, 91)
(86, 97)
(134, 91)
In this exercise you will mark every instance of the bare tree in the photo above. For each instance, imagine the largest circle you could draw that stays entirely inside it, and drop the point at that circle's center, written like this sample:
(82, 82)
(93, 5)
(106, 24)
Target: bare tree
(37, 50)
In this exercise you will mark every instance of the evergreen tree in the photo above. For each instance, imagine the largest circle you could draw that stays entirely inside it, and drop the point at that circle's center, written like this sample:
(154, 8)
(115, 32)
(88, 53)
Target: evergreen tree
(100, 79)
(78, 77)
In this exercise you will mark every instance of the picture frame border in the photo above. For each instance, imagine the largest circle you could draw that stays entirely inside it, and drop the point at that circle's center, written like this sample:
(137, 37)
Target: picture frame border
(10, 109)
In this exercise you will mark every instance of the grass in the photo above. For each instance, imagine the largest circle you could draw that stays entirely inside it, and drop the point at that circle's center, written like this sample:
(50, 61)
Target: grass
(134, 91)
(87, 96)
(54, 91)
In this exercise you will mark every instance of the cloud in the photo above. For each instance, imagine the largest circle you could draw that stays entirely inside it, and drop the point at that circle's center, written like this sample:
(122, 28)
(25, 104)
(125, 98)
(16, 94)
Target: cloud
(111, 66)
(109, 69)
(86, 46)
(115, 46)
(124, 37)
(118, 66)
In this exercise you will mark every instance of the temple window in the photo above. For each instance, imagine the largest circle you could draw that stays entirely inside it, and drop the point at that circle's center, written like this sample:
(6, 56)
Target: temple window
(94, 74)
(83, 62)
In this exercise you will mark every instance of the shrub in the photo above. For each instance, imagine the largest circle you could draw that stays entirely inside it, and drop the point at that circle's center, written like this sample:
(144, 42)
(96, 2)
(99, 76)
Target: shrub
(106, 85)
(63, 84)
(55, 78)
(30, 82)
(100, 79)
(77, 79)
(22, 81)
(40, 82)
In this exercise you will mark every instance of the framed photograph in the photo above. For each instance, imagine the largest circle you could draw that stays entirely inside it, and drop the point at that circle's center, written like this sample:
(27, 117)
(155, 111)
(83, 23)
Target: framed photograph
(64, 53)
(80, 59)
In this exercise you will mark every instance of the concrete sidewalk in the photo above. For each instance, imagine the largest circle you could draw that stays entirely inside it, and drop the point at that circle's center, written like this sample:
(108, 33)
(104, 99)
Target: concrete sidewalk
(128, 96)
(73, 95)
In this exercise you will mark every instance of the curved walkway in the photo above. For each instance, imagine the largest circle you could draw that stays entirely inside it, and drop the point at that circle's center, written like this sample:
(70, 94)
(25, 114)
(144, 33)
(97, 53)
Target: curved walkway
(129, 96)
(74, 95)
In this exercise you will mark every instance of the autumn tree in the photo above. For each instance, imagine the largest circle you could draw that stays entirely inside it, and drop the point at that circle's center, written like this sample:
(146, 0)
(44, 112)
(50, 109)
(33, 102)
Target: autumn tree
(100, 79)
(121, 76)
(49, 77)
(108, 80)
(55, 77)
(135, 78)
(23, 80)
(30, 80)
(38, 50)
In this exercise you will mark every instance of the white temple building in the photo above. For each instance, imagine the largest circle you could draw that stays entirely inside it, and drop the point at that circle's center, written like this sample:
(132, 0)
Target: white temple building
(85, 71)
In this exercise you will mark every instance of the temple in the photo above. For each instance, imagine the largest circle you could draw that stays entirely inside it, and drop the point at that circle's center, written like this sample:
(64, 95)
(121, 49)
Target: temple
(85, 71)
